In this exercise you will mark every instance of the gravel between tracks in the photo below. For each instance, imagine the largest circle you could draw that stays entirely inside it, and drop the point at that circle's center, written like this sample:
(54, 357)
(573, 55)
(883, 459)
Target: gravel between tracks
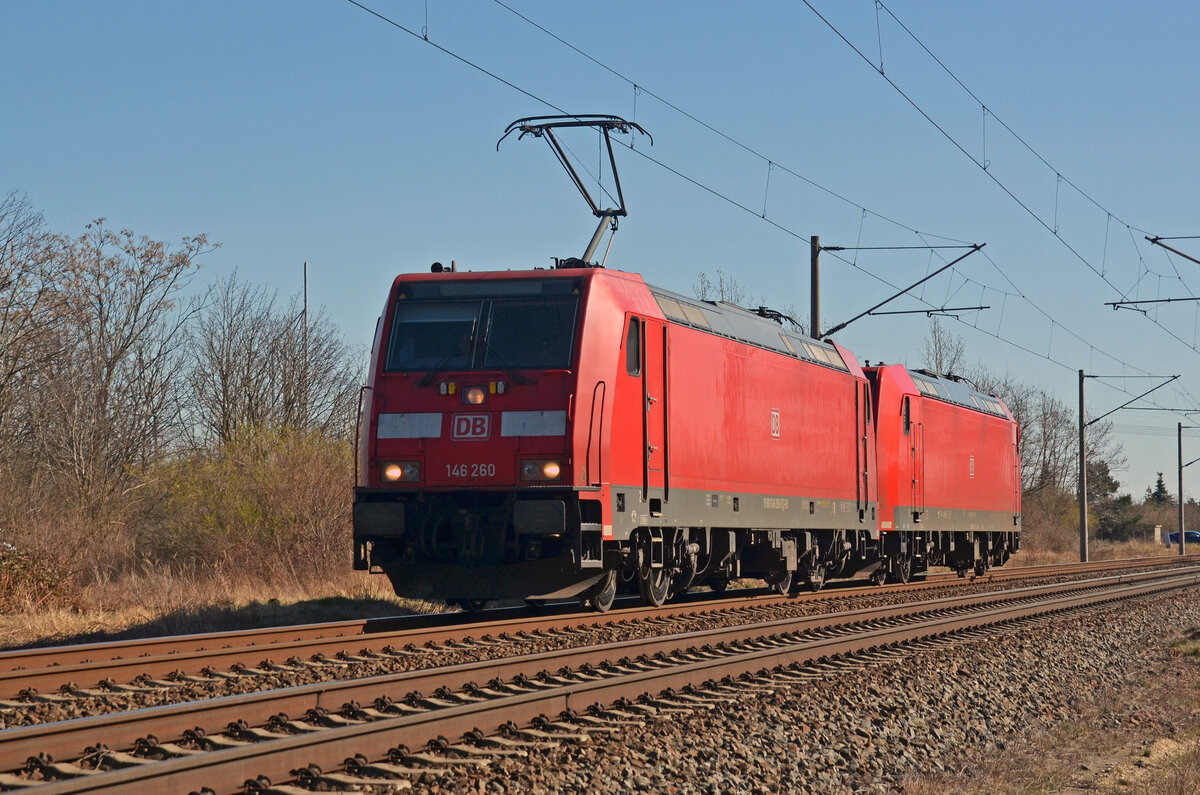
(879, 729)
(618, 630)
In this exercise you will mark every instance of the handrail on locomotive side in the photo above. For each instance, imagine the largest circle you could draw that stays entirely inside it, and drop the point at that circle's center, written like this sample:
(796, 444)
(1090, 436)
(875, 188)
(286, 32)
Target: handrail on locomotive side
(544, 126)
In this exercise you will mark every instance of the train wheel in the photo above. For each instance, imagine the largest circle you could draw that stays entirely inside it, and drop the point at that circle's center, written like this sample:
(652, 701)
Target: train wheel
(536, 604)
(783, 585)
(718, 586)
(600, 596)
(475, 606)
(815, 577)
(902, 569)
(655, 585)
(980, 568)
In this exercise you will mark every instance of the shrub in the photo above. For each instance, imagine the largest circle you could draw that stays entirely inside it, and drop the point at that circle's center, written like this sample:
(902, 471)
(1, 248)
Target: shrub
(27, 582)
(1049, 522)
(274, 506)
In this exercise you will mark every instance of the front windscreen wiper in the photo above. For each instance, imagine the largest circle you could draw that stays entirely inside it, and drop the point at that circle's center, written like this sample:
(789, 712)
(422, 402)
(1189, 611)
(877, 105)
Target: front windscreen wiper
(428, 378)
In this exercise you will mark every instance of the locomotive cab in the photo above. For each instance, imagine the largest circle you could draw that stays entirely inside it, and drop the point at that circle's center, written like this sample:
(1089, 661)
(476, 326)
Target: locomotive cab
(467, 469)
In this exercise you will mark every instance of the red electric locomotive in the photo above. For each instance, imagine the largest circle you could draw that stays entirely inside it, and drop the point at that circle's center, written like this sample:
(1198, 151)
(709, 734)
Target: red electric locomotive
(566, 432)
(949, 473)
(569, 432)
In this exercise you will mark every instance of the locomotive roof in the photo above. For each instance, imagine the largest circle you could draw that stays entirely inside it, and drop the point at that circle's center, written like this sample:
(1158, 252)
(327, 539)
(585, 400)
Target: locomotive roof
(954, 391)
(729, 320)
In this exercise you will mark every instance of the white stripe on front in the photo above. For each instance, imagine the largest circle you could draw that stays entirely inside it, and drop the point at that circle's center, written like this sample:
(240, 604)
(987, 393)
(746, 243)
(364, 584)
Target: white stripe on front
(409, 426)
(533, 423)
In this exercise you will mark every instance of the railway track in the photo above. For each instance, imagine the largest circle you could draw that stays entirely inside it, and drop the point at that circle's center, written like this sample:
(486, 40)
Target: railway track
(151, 665)
(221, 743)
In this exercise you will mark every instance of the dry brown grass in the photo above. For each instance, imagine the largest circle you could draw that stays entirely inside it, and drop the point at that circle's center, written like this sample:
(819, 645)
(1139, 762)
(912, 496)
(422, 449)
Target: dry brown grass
(1182, 775)
(155, 603)
(1097, 550)
(257, 532)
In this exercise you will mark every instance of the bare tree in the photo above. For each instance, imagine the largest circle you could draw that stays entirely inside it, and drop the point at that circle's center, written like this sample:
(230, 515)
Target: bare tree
(1049, 444)
(27, 298)
(945, 353)
(108, 401)
(725, 288)
(251, 368)
(232, 377)
(321, 374)
(1049, 434)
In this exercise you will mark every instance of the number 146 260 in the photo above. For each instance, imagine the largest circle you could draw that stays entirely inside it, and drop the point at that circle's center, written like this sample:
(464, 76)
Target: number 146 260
(470, 470)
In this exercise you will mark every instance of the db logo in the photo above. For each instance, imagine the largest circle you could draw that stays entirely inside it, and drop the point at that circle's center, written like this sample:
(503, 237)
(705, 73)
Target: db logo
(475, 427)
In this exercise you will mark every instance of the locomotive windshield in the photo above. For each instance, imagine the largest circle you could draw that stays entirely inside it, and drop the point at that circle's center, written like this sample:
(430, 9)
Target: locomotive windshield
(497, 332)
(425, 336)
(533, 334)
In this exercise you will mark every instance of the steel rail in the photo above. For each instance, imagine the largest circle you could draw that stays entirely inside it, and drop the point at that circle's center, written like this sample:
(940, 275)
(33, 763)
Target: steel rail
(50, 669)
(176, 644)
(66, 739)
(223, 770)
(66, 654)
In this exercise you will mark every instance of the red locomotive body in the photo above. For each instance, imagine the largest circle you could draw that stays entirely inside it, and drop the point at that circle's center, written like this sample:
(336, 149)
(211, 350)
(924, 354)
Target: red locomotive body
(467, 450)
(949, 472)
(562, 432)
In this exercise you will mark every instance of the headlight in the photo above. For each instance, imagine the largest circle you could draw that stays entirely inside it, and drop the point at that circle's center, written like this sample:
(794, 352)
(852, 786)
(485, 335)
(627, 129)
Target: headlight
(473, 396)
(401, 471)
(540, 469)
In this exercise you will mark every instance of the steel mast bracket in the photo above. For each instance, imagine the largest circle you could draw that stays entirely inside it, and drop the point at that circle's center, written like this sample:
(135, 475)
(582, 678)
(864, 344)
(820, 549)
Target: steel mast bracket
(544, 127)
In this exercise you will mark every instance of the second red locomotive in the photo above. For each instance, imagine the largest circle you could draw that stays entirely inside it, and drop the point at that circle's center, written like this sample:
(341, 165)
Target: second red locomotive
(569, 432)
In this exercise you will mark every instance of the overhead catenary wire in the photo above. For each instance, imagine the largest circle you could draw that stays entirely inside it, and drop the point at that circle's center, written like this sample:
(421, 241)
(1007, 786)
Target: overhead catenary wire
(773, 163)
(1153, 430)
(991, 112)
(983, 167)
(697, 183)
(954, 141)
(1103, 380)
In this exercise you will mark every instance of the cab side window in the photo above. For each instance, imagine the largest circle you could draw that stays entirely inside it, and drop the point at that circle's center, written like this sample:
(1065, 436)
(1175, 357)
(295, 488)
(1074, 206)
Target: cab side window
(633, 347)
(907, 420)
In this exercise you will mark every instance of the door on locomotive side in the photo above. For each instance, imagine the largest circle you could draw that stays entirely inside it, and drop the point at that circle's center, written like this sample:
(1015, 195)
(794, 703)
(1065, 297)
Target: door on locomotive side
(1016, 458)
(914, 434)
(862, 400)
(654, 407)
(627, 456)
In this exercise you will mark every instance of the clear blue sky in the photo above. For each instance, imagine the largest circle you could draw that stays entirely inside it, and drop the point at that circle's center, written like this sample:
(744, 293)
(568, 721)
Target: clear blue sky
(292, 131)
